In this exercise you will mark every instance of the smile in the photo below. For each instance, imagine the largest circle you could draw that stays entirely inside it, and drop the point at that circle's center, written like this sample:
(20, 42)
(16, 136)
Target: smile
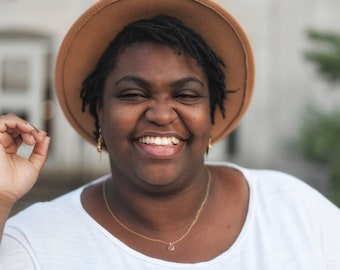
(164, 141)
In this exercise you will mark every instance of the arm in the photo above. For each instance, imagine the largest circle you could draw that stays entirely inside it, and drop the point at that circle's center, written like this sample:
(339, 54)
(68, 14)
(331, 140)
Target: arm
(18, 174)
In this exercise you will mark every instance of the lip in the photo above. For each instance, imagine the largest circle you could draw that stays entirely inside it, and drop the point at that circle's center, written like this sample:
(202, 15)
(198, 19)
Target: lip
(160, 146)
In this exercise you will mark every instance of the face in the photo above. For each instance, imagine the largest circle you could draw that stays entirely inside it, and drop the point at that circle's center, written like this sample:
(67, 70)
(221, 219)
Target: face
(155, 118)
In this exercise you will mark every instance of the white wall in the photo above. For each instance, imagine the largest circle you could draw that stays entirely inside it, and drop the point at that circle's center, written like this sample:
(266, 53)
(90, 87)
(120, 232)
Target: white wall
(285, 82)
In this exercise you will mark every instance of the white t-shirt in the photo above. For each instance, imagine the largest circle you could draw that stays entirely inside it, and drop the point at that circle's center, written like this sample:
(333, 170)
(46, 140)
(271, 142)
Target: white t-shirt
(288, 226)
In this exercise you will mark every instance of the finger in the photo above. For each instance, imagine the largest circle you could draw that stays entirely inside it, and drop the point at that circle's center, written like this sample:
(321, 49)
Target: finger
(12, 143)
(27, 138)
(30, 138)
(38, 135)
(39, 154)
(7, 140)
(11, 122)
(14, 131)
(13, 147)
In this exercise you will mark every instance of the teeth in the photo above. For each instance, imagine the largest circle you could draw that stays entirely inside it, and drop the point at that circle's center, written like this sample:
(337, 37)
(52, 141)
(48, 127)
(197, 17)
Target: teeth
(159, 140)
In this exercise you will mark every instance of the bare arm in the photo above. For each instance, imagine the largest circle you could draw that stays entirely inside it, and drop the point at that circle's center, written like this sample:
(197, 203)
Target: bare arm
(18, 174)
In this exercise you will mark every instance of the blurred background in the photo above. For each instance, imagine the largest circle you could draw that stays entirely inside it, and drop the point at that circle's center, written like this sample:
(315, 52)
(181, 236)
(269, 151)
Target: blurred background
(292, 125)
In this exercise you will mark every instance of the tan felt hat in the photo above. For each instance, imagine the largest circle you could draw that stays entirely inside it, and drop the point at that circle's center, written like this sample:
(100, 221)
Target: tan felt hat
(90, 35)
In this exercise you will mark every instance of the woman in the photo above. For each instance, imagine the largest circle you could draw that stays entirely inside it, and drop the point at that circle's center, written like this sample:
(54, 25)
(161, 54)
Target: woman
(155, 98)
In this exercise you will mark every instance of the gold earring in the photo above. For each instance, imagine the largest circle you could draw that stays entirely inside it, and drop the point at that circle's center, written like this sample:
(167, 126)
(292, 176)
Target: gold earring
(208, 147)
(100, 141)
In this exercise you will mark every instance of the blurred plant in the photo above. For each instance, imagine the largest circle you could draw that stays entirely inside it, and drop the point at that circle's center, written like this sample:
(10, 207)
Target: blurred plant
(320, 134)
(320, 140)
(327, 55)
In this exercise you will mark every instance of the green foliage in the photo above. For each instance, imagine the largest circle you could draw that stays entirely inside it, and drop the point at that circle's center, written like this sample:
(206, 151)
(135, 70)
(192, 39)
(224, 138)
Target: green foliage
(320, 141)
(320, 135)
(326, 55)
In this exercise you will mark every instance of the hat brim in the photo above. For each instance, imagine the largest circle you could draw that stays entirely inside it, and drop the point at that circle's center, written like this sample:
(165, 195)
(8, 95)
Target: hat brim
(90, 35)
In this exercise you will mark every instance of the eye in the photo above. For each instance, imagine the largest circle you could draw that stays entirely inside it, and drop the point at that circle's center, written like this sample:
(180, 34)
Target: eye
(187, 97)
(132, 95)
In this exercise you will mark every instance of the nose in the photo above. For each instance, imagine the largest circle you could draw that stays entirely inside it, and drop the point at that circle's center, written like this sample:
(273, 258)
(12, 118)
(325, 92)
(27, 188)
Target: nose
(161, 113)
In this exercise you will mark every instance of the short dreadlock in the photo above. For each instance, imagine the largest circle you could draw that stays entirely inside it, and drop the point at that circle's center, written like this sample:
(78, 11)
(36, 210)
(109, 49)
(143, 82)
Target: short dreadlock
(160, 30)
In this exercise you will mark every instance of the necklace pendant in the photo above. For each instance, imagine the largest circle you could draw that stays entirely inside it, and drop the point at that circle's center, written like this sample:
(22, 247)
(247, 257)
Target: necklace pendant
(171, 247)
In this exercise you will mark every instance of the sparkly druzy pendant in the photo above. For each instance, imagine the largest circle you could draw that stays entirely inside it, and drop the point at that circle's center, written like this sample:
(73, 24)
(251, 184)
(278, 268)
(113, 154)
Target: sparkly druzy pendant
(171, 247)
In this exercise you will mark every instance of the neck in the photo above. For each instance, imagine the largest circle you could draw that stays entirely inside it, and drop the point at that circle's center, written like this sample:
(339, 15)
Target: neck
(157, 214)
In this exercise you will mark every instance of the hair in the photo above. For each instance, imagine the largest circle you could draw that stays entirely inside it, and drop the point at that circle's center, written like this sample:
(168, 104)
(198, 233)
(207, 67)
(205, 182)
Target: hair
(163, 30)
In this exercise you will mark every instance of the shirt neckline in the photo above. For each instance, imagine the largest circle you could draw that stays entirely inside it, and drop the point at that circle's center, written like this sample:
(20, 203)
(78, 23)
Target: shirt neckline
(155, 261)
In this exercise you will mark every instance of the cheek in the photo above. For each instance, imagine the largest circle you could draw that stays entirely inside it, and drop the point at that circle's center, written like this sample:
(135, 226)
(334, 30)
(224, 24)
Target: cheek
(116, 122)
(200, 123)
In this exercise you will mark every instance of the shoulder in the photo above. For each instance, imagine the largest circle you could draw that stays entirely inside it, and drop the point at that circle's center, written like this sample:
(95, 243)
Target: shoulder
(65, 211)
(59, 221)
(36, 229)
(283, 207)
(295, 210)
(40, 213)
(63, 206)
(282, 186)
(267, 179)
(289, 199)
(273, 181)
(275, 188)
(276, 181)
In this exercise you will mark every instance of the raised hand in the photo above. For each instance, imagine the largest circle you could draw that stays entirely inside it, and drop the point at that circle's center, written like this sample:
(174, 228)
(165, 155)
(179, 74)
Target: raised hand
(18, 174)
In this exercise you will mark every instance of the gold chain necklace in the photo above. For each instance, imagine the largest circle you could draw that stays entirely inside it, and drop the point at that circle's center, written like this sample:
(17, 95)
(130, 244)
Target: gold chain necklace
(170, 245)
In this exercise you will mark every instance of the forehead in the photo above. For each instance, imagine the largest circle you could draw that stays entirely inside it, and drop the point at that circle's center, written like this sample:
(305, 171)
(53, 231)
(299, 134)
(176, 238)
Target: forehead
(156, 59)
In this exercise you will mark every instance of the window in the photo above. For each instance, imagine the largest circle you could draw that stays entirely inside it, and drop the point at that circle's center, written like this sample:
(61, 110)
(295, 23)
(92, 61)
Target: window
(24, 78)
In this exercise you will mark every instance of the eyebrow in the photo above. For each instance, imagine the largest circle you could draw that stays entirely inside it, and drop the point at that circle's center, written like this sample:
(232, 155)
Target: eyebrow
(140, 81)
(144, 83)
(185, 80)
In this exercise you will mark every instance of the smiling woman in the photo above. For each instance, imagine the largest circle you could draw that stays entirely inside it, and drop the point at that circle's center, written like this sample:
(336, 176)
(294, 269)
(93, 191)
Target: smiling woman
(170, 98)
(154, 92)
(159, 81)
